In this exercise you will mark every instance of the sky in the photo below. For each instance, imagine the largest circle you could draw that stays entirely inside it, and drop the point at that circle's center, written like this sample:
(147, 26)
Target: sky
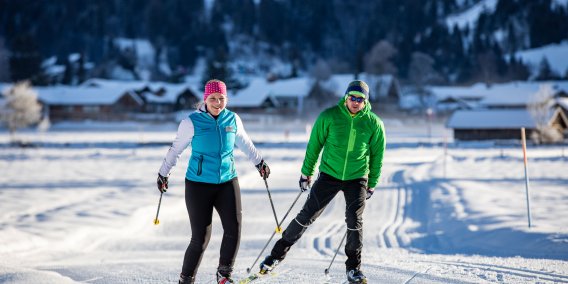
(80, 209)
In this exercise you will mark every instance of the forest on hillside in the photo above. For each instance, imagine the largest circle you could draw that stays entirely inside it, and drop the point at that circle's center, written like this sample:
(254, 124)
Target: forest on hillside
(407, 38)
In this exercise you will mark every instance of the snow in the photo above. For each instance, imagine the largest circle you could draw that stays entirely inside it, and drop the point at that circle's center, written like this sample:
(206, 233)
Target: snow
(491, 119)
(65, 95)
(470, 16)
(513, 94)
(79, 209)
(559, 3)
(556, 54)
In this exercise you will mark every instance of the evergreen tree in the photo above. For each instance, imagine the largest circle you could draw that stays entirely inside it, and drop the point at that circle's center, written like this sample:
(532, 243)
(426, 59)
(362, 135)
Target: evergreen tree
(545, 72)
(218, 68)
(272, 22)
(25, 59)
(4, 63)
(517, 70)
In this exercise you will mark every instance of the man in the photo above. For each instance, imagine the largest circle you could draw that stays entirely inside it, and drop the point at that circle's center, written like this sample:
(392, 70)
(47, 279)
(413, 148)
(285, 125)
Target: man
(353, 143)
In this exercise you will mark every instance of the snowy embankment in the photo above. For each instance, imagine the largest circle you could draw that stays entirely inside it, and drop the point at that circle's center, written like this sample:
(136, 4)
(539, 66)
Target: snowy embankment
(81, 210)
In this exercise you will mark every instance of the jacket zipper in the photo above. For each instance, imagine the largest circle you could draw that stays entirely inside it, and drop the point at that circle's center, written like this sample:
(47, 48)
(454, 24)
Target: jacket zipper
(220, 147)
(347, 150)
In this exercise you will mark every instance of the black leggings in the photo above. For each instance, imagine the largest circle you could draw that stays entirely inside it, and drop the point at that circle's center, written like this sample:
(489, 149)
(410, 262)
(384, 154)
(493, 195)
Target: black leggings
(200, 199)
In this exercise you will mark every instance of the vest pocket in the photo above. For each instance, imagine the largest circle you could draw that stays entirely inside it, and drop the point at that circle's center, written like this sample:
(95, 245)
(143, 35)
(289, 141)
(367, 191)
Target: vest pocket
(199, 165)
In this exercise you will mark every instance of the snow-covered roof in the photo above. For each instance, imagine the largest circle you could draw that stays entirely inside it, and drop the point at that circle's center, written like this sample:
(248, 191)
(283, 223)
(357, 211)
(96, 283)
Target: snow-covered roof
(517, 93)
(171, 91)
(338, 83)
(294, 87)
(252, 96)
(472, 93)
(105, 83)
(65, 95)
(498, 119)
(491, 119)
(563, 102)
(508, 94)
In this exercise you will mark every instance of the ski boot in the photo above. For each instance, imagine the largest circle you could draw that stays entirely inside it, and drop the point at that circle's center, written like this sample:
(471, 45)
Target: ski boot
(224, 274)
(185, 279)
(268, 264)
(224, 279)
(356, 276)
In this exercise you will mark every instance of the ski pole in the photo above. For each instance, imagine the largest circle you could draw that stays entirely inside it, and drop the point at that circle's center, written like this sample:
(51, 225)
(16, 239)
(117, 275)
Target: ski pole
(273, 233)
(333, 259)
(156, 220)
(278, 228)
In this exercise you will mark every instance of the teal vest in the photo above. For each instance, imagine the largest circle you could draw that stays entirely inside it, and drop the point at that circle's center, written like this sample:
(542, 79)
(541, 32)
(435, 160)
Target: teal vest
(212, 146)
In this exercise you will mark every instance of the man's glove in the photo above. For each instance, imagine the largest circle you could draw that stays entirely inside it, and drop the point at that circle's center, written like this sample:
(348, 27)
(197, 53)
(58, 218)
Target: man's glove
(162, 183)
(305, 183)
(370, 192)
(263, 169)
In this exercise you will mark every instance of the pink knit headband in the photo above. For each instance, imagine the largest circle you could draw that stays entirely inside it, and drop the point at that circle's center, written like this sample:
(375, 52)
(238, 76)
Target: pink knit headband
(214, 86)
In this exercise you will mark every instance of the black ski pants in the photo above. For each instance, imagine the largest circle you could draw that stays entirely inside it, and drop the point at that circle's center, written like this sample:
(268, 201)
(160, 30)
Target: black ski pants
(200, 199)
(323, 191)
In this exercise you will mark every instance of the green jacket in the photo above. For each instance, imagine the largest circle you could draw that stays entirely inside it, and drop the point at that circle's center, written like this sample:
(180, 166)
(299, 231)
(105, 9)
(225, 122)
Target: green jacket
(353, 146)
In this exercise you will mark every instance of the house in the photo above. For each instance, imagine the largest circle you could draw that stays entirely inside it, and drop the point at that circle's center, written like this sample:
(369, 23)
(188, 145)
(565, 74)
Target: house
(484, 124)
(562, 103)
(157, 97)
(167, 98)
(254, 98)
(514, 95)
(290, 94)
(79, 103)
(453, 98)
(384, 89)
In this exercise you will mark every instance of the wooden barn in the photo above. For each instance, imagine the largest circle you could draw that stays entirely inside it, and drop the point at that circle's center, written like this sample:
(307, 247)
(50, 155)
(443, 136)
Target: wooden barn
(490, 124)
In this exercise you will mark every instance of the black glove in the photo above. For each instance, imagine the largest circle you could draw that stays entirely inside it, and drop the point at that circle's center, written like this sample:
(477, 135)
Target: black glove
(263, 169)
(305, 182)
(162, 183)
(370, 192)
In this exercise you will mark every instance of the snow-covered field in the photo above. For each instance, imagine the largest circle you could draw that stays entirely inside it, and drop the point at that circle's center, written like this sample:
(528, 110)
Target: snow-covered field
(81, 209)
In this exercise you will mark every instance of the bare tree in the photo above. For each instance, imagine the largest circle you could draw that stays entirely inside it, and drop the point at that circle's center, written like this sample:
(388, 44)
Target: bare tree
(421, 72)
(321, 70)
(378, 59)
(21, 107)
(540, 109)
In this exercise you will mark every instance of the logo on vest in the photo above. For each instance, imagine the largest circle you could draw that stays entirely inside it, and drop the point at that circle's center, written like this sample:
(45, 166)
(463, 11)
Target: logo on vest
(229, 129)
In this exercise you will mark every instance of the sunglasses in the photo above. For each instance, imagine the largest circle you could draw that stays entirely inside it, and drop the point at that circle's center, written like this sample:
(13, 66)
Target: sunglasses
(356, 99)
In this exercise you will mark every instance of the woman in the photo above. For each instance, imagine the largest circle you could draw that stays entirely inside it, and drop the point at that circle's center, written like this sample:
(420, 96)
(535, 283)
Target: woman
(211, 179)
